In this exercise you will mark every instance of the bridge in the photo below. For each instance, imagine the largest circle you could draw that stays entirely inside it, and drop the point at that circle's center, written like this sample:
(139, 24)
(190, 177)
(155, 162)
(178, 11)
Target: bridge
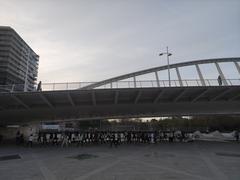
(121, 97)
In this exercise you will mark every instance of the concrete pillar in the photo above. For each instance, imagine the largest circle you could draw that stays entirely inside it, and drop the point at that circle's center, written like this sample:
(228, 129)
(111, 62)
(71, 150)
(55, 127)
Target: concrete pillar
(221, 74)
(179, 76)
(200, 75)
(157, 78)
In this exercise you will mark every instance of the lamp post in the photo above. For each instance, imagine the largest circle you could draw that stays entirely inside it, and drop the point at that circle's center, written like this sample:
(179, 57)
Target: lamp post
(168, 54)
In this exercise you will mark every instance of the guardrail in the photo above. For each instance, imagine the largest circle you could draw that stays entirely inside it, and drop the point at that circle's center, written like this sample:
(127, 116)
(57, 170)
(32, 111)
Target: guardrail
(12, 88)
(121, 84)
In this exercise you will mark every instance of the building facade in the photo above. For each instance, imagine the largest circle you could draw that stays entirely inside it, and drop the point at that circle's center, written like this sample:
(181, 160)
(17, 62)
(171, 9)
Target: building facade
(18, 62)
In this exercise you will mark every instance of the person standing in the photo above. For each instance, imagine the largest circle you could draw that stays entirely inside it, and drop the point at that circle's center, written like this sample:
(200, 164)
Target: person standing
(237, 136)
(39, 138)
(21, 139)
(39, 86)
(219, 80)
(18, 138)
(112, 139)
(152, 137)
(55, 139)
(80, 139)
(116, 140)
(51, 138)
(65, 140)
(30, 140)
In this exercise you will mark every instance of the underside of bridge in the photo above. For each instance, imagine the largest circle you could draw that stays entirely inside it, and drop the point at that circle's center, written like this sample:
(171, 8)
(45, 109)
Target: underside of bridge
(110, 103)
(92, 101)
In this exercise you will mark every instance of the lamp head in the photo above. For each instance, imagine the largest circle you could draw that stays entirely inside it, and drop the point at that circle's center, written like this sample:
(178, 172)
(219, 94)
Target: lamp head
(169, 54)
(160, 54)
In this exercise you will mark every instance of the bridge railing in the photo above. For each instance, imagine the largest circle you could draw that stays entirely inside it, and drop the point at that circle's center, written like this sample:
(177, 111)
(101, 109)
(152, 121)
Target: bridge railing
(12, 88)
(165, 83)
(122, 84)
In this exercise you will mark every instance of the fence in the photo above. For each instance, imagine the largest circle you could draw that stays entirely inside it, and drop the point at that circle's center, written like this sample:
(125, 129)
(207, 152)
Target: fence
(121, 84)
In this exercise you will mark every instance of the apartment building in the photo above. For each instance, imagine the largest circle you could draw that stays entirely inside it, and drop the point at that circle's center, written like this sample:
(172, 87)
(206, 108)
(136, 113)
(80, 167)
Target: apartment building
(18, 62)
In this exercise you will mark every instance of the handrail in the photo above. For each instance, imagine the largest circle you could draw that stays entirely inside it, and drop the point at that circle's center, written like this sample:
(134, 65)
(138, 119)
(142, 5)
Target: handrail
(121, 84)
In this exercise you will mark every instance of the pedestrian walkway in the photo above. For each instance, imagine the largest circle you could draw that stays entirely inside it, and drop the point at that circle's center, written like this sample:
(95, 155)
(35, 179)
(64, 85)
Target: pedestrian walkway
(195, 160)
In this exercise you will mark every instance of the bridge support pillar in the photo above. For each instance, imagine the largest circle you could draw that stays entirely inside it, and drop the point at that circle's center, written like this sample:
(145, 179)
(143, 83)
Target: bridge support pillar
(200, 75)
(157, 78)
(237, 66)
(221, 74)
(179, 77)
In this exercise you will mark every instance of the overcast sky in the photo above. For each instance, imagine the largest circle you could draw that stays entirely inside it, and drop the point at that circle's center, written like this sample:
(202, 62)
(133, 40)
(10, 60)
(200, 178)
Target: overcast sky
(94, 40)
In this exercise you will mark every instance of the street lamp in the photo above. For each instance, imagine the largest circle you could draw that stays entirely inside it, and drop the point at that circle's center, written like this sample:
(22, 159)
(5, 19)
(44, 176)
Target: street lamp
(168, 54)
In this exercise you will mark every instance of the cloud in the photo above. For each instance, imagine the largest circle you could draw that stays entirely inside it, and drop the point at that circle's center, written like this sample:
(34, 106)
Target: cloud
(95, 40)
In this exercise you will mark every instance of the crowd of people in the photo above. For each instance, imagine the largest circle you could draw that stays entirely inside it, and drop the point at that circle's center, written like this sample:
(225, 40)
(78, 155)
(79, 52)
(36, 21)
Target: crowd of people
(113, 138)
(65, 139)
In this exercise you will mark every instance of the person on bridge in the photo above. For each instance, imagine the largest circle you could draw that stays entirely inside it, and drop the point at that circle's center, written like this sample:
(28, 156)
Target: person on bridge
(219, 80)
(39, 86)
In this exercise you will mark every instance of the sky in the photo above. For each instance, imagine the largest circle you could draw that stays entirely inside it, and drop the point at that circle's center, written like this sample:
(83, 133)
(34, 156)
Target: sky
(93, 40)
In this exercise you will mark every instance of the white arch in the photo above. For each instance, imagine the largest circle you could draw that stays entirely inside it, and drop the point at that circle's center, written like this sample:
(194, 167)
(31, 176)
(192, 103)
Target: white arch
(160, 68)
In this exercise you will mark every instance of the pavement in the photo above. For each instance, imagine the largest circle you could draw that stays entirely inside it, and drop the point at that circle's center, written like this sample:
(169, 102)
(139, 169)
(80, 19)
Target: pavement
(168, 161)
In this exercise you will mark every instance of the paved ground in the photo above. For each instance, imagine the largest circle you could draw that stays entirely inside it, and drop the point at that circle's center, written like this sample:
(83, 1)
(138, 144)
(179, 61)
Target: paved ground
(197, 160)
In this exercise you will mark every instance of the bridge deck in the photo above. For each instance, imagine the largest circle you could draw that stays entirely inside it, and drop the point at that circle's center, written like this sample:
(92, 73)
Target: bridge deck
(119, 102)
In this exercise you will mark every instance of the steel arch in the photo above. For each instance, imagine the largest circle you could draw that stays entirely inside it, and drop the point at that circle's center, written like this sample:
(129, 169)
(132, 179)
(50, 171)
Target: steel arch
(160, 68)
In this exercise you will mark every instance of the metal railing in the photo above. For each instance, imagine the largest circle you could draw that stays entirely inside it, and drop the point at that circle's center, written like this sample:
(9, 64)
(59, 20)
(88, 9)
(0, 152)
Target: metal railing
(121, 84)
(12, 88)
